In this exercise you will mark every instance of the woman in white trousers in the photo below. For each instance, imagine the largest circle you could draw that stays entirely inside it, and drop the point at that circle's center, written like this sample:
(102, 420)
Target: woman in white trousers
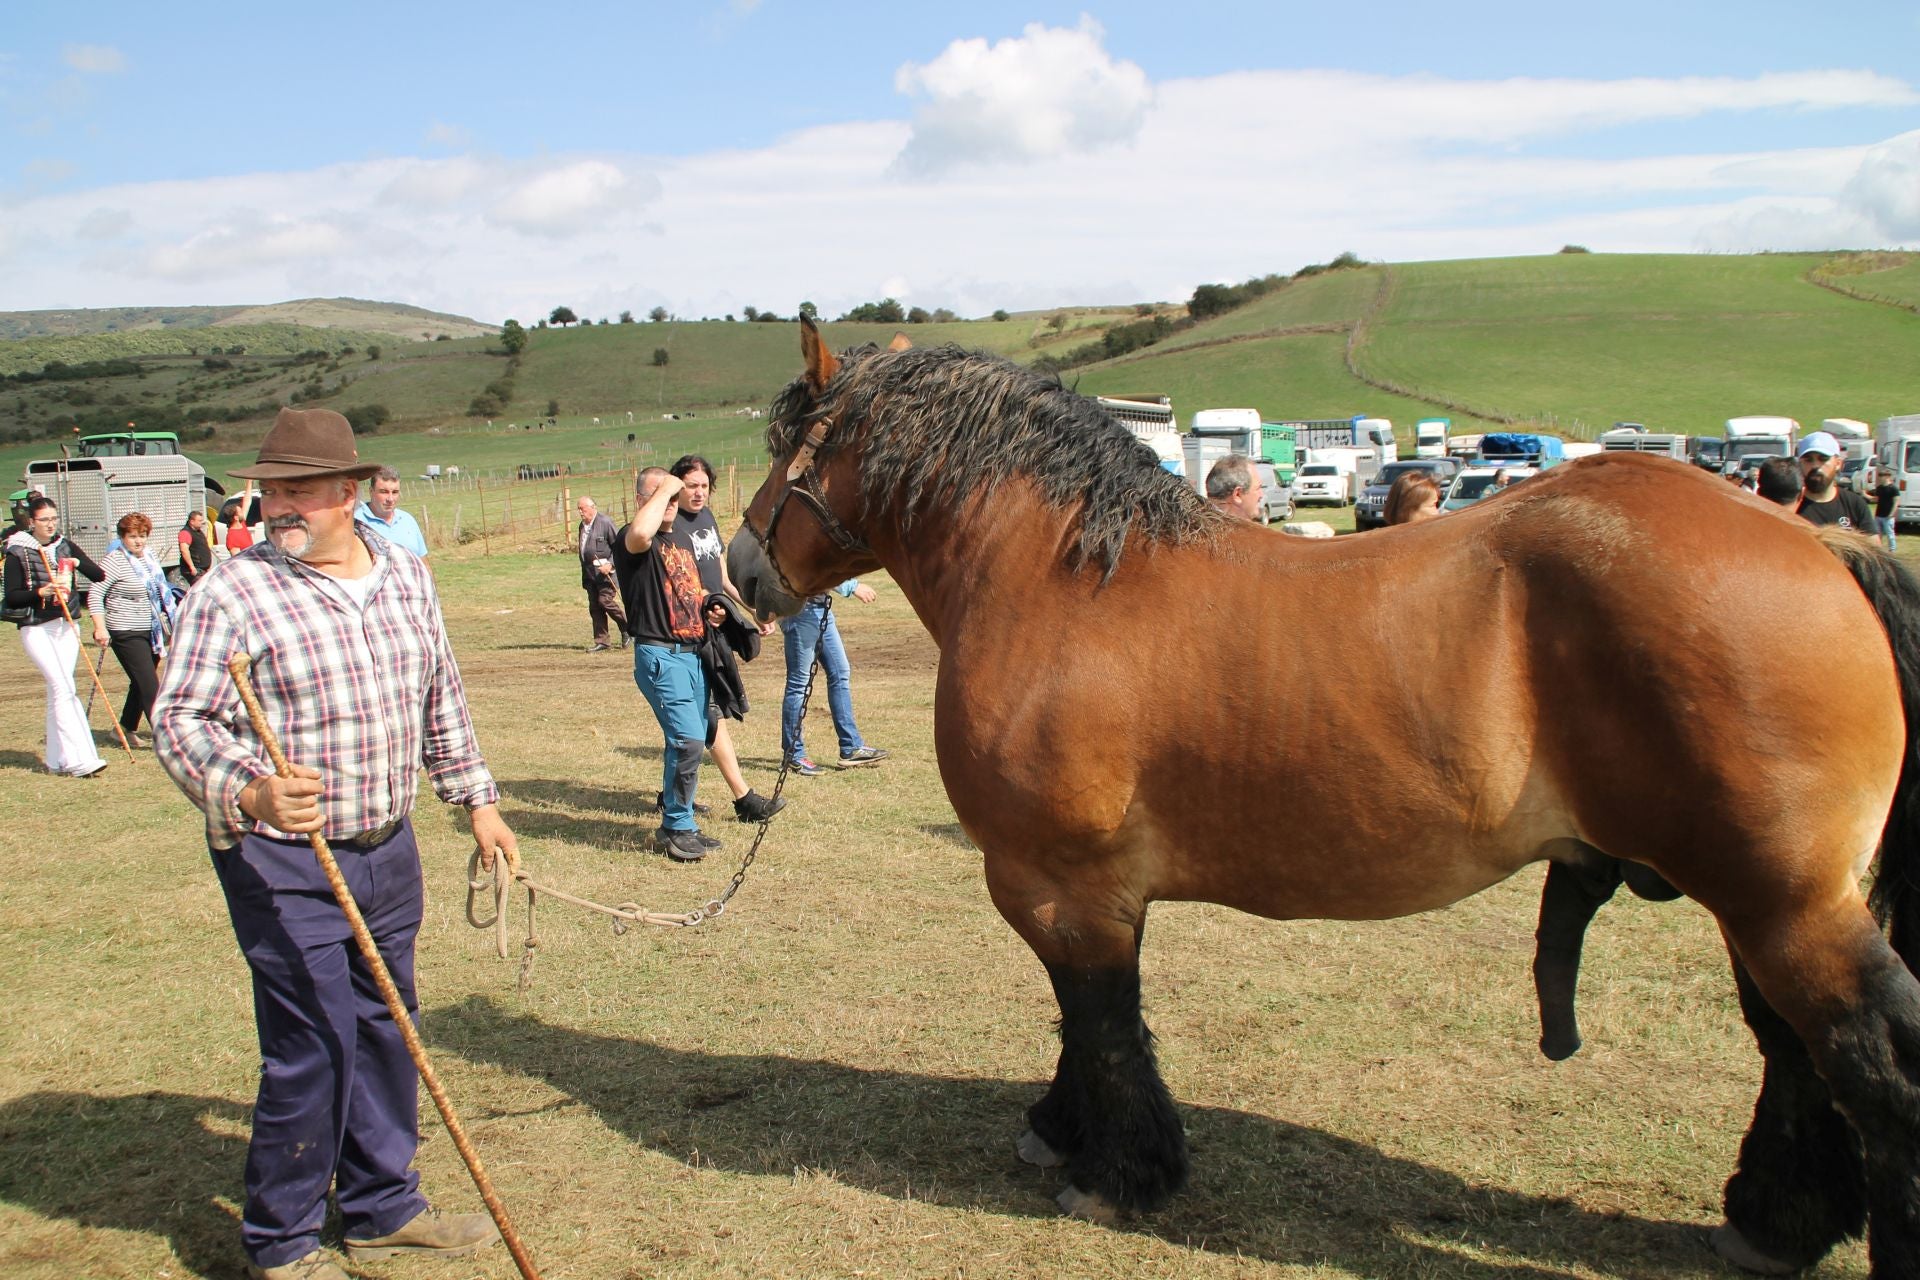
(47, 635)
(54, 646)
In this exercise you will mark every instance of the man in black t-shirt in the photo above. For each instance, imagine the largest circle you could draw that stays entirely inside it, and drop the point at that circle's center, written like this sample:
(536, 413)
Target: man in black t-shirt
(1886, 496)
(695, 529)
(660, 585)
(1825, 502)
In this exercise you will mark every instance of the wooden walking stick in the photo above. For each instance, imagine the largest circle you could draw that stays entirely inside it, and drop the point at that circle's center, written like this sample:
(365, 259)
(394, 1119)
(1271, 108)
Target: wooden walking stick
(237, 668)
(53, 575)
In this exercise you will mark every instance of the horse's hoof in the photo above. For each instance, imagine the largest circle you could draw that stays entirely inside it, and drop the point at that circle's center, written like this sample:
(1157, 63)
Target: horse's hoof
(1034, 1150)
(1076, 1203)
(1559, 1046)
(1731, 1245)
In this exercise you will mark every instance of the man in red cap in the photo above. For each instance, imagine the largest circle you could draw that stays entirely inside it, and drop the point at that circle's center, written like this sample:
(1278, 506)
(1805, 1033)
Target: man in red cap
(351, 660)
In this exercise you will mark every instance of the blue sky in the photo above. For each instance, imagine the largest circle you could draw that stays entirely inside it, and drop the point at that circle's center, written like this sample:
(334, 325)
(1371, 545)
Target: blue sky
(492, 158)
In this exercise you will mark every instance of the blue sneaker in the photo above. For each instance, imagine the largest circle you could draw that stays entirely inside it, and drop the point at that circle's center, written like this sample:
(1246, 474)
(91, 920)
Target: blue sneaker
(805, 767)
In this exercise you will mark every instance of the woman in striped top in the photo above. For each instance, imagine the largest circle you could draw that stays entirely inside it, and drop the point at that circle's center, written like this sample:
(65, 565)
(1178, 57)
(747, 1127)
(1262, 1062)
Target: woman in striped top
(132, 610)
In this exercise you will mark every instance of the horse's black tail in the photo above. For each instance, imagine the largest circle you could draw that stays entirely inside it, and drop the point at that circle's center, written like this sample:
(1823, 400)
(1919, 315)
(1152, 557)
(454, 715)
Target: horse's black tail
(1895, 595)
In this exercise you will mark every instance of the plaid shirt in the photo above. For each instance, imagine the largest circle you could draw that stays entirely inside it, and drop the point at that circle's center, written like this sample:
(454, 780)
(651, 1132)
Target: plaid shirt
(364, 696)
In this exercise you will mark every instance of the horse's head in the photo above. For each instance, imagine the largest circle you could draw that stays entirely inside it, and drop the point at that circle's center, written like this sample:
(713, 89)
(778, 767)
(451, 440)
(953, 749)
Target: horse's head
(803, 527)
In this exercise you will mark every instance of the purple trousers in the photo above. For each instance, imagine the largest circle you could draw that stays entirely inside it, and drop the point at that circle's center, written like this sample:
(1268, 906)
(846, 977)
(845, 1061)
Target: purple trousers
(339, 1098)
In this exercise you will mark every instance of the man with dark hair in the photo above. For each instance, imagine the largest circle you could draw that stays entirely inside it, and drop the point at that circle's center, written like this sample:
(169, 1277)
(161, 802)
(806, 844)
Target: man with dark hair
(196, 553)
(1825, 502)
(351, 661)
(382, 511)
(1886, 495)
(695, 529)
(1779, 481)
(660, 585)
(1233, 486)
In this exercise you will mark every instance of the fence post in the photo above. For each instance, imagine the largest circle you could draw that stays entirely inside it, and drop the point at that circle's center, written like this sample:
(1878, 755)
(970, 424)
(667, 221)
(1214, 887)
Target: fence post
(566, 505)
(486, 544)
(733, 486)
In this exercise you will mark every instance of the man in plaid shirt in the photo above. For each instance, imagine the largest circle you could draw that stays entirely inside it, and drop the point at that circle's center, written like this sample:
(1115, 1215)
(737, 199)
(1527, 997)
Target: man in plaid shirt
(351, 661)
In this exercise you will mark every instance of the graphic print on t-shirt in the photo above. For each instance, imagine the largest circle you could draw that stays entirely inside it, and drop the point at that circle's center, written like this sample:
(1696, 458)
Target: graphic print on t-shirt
(684, 592)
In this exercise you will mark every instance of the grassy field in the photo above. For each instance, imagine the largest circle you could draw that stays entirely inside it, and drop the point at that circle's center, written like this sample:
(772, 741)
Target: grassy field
(1679, 343)
(827, 1081)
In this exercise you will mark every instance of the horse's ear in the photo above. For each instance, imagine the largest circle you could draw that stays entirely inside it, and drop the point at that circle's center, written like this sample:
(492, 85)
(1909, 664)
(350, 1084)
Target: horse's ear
(822, 364)
(901, 342)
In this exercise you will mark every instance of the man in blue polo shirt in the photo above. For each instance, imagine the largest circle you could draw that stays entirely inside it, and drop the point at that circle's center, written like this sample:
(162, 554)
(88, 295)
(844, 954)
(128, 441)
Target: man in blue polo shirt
(381, 512)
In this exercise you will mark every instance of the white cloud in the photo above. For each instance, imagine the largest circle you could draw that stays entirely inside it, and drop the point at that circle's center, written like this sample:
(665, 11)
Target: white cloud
(1048, 93)
(569, 198)
(248, 240)
(94, 59)
(1221, 180)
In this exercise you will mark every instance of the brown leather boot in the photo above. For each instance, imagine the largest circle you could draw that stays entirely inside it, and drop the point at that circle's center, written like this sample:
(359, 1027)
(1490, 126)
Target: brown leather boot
(445, 1235)
(315, 1266)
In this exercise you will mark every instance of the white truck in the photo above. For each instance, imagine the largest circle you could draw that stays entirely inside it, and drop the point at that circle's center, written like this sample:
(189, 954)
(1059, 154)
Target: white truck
(1752, 440)
(1150, 417)
(1374, 435)
(1856, 450)
(1430, 437)
(1636, 440)
(1898, 441)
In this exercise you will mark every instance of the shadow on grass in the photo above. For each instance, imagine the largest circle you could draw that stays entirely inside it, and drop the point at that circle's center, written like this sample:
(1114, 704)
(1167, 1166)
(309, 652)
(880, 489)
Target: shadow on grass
(28, 760)
(1261, 1187)
(144, 1162)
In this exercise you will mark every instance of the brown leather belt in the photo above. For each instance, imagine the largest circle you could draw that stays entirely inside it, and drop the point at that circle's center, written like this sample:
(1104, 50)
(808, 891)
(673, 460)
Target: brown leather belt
(376, 837)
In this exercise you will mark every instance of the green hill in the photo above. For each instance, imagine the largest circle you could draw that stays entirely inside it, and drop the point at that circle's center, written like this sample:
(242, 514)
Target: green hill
(396, 320)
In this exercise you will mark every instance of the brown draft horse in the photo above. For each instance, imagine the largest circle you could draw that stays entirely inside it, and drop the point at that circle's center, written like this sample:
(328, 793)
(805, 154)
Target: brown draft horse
(1120, 678)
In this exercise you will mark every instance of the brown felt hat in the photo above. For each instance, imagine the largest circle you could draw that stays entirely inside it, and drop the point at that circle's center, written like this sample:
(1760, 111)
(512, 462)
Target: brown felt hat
(307, 442)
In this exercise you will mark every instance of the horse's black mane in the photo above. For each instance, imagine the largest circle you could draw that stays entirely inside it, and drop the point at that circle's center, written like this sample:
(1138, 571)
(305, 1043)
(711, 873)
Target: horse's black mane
(952, 420)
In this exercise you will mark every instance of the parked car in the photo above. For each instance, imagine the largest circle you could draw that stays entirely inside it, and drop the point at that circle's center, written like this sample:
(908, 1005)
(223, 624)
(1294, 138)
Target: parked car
(1472, 483)
(1323, 483)
(1370, 511)
(1276, 498)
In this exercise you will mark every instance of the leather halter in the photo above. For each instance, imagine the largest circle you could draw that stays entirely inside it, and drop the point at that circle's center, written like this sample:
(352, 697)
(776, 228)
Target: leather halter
(803, 482)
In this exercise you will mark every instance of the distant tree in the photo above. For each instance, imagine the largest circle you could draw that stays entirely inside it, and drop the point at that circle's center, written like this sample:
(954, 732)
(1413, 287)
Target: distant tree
(1057, 321)
(1143, 308)
(885, 311)
(1001, 314)
(1210, 300)
(563, 316)
(808, 311)
(626, 317)
(657, 314)
(751, 313)
(365, 419)
(553, 407)
(486, 405)
(443, 337)
(918, 315)
(513, 338)
(541, 325)
(1574, 248)
(729, 317)
(944, 315)
(767, 317)
(373, 353)
(660, 354)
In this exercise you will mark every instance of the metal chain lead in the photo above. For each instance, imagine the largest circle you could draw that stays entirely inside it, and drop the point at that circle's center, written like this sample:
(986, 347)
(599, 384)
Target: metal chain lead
(627, 914)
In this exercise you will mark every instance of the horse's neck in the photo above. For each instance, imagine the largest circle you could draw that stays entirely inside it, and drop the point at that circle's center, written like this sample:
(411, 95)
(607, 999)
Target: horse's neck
(955, 565)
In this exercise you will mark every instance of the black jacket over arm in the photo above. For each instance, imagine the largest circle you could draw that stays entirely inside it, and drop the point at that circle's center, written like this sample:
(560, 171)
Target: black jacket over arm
(26, 573)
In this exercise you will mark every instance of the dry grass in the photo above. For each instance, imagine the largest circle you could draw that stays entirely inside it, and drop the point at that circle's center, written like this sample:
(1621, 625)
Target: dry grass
(828, 1080)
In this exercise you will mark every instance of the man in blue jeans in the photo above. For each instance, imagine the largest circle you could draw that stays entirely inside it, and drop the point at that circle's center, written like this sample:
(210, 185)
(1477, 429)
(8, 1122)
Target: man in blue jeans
(660, 586)
(810, 633)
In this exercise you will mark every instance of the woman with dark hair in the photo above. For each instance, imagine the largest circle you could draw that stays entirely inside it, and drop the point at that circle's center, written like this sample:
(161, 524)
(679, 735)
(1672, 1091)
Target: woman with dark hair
(1414, 497)
(39, 580)
(132, 610)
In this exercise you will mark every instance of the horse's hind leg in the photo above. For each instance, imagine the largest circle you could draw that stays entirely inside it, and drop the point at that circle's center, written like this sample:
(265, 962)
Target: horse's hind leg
(1799, 1187)
(1830, 974)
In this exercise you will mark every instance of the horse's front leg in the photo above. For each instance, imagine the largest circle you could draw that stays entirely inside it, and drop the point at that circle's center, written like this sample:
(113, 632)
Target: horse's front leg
(1107, 1115)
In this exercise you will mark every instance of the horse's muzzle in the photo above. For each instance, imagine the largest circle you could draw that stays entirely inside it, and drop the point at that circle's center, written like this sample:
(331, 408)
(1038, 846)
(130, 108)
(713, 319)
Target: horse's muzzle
(753, 576)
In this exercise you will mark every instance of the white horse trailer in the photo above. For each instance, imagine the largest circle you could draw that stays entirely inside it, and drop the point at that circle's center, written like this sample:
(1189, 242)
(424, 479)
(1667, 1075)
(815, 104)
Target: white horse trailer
(94, 493)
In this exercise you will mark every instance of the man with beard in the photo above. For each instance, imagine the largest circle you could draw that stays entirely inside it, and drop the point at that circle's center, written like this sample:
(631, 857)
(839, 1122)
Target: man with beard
(351, 661)
(1825, 502)
(695, 529)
